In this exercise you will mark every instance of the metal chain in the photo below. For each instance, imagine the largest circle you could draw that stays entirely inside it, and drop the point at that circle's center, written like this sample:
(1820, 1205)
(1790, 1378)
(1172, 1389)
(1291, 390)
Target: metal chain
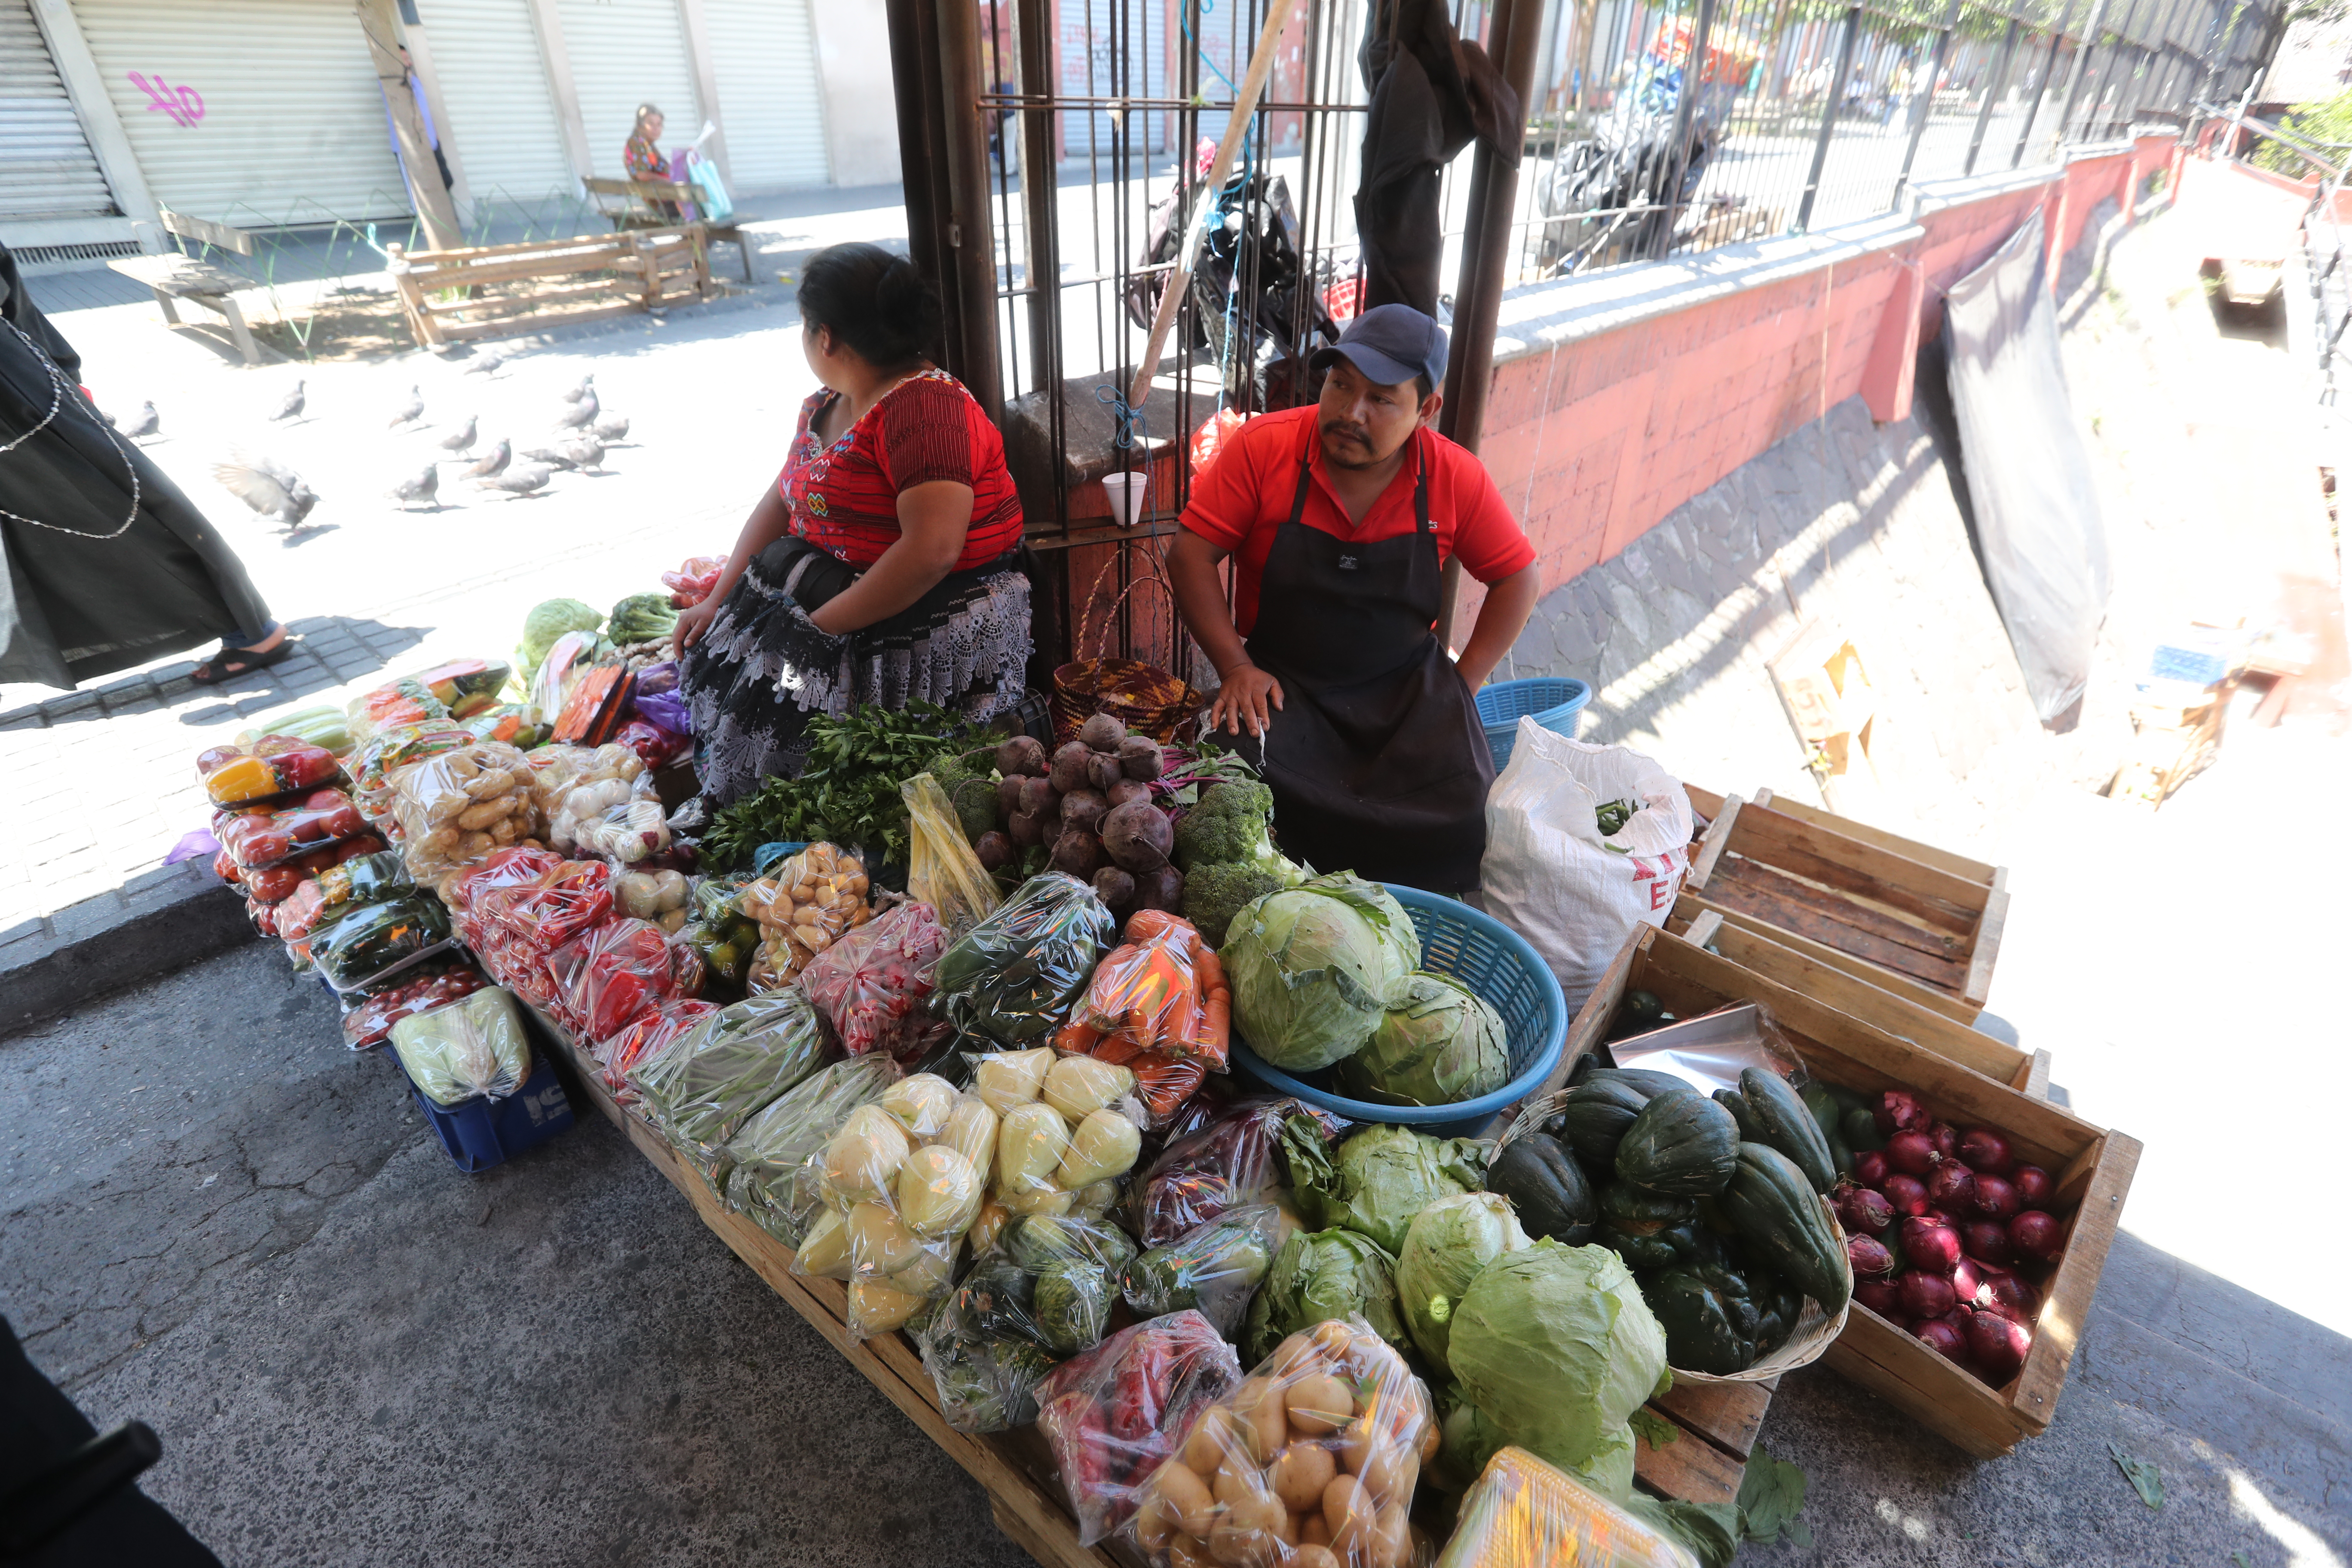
(59, 390)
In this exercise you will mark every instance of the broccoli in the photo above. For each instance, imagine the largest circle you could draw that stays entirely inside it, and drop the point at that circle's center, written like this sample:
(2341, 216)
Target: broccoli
(1214, 893)
(1228, 829)
(642, 617)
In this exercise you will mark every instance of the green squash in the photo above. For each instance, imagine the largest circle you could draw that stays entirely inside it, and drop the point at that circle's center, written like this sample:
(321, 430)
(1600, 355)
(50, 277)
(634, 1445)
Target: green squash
(1594, 1118)
(1782, 1121)
(1653, 1231)
(1547, 1189)
(1750, 1129)
(1783, 1222)
(1682, 1144)
(1709, 1317)
(1827, 1113)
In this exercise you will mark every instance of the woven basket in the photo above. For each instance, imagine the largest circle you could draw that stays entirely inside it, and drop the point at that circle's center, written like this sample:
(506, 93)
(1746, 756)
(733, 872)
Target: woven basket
(1816, 1330)
(1143, 697)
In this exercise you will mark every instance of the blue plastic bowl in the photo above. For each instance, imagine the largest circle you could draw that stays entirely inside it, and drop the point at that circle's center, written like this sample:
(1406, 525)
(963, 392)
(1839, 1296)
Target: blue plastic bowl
(1552, 701)
(1493, 960)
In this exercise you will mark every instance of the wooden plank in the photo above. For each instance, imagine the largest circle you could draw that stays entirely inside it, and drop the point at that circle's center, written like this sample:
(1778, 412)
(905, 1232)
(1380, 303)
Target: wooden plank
(2068, 1304)
(1706, 802)
(1875, 875)
(1689, 1467)
(1978, 985)
(500, 306)
(1752, 888)
(1688, 906)
(528, 270)
(203, 230)
(2037, 1077)
(1729, 1415)
(1960, 866)
(460, 333)
(1712, 842)
(1703, 931)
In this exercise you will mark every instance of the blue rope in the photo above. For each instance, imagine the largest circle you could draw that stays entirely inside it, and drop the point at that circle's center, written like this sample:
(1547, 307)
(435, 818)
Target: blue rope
(1131, 433)
(1184, 22)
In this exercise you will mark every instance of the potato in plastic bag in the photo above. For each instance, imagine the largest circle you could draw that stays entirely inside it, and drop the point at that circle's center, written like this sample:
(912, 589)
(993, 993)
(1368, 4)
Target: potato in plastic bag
(1113, 1415)
(471, 1047)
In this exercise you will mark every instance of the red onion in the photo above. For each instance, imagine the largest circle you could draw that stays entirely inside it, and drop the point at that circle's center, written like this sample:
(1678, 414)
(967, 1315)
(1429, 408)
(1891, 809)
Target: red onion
(1965, 1280)
(1999, 1345)
(1868, 1257)
(1932, 1247)
(1870, 1168)
(1926, 1295)
(1898, 1111)
(1944, 1339)
(2037, 1235)
(1986, 1241)
(1913, 1153)
(1947, 1138)
(2001, 1290)
(2034, 1187)
(1982, 1148)
(1951, 1186)
(1880, 1296)
(1906, 1195)
(1860, 1209)
(1953, 1214)
(1996, 1197)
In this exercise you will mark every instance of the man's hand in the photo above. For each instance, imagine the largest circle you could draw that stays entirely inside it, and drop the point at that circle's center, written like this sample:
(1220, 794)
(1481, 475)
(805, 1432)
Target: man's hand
(692, 622)
(1241, 705)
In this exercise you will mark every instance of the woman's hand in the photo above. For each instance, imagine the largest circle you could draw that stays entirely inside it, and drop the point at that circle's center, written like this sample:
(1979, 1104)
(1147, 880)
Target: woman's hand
(1241, 704)
(692, 622)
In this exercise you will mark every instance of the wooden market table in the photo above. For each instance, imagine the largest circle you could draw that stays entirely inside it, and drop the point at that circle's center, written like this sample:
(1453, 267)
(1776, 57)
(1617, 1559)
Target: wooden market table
(1715, 1426)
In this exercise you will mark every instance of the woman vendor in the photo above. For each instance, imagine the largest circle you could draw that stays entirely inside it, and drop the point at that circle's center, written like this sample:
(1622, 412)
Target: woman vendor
(882, 566)
(1340, 519)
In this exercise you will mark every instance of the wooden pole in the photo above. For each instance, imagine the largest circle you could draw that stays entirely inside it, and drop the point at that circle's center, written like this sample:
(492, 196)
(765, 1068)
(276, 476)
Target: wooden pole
(434, 208)
(1245, 106)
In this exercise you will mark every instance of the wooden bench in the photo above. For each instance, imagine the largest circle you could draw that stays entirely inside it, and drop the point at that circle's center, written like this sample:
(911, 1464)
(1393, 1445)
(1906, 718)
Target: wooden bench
(654, 204)
(179, 276)
(449, 296)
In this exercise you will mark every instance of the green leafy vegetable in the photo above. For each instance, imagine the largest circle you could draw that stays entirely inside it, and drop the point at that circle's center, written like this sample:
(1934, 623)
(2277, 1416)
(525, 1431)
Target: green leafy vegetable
(1771, 1496)
(1446, 1246)
(1315, 968)
(1321, 1275)
(1439, 1044)
(1380, 1178)
(1654, 1428)
(547, 622)
(701, 1088)
(1711, 1529)
(847, 791)
(641, 617)
(2142, 1474)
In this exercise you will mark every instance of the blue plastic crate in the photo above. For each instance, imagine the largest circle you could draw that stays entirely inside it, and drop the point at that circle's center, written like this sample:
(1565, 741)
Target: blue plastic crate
(1554, 703)
(2199, 667)
(1497, 964)
(479, 1134)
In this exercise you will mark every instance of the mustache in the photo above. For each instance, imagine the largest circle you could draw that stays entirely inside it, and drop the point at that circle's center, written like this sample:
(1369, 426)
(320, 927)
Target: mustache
(1360, 434)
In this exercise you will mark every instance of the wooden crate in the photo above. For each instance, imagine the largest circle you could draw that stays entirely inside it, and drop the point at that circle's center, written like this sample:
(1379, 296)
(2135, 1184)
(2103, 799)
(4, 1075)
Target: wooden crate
(2092, 1166)
(1873, 995)
(1716, 1426)
(1854, 896)
(442, 293)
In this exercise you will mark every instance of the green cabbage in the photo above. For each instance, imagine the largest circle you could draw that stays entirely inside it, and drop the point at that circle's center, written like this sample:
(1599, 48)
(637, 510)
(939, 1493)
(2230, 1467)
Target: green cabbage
(1380, 1178)
(1440, 1043)
(1320, 1274)
(1556, 1349)
(546, 623)
(1446, 1247)
(1314, 968)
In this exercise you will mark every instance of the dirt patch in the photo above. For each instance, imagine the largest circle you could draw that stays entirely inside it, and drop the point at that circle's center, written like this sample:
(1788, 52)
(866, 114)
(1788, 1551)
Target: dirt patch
(348, 323)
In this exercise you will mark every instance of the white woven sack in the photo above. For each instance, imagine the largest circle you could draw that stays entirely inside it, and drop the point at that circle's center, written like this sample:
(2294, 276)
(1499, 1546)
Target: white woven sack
(1548, 874)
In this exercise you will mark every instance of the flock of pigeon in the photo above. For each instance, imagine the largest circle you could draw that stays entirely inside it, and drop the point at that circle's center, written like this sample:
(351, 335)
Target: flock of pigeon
(582, 433)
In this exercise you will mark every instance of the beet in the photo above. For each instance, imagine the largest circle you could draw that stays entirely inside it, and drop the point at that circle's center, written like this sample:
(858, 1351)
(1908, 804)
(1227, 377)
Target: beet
(1136, 836)
(1984, 1150)
(1026, 827)
(1868, 1257)
(1020, 754)
(1951, 1186)
(1926, 1295)
(1103, 771)
(1947, 1138)
(1860, 1209)
(1139, 758)
(1102, 733)
(995, 851)
(1899, 1110)
(1162, 888)
(1881, 1296)
(1069, 771)
(1944, 1339)
(1999, 1345)
(1906, 1195)
(1036, 796)
(1912, 1153)
(1119, 794)
(1987, 1240)
(1870, 1169)
(1114, 887)
(1083, 808)
(2037, 1235)
(1996, 1197)
(2034, 1187)
(1078, 852)
(1930, 1245)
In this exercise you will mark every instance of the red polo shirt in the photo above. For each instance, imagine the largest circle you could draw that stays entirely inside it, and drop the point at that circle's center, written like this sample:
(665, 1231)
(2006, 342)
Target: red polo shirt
(1243, 496)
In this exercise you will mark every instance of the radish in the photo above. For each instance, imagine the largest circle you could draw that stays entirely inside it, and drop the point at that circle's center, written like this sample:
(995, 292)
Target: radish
(2000, 1345)
(1982, 1148)
(2037, 1235)
(1906, 1195)
(2034, 1187)
(1996, 1197)
(1899, 1110)
(1870, 1168)
(1912, 1153)
(1931, 1246)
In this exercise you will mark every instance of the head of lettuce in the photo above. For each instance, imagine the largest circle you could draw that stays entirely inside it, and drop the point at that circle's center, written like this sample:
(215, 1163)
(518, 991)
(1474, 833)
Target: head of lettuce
(1315, 967)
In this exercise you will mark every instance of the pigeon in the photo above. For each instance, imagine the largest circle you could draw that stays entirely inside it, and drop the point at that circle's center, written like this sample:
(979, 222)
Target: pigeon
(587, 452)
(292, 408)
(494, 463)
(585, 387)
(517, 481)
(146, 424)
(485, 363)
(551, 457)
(462, 439)
(425, 487)
(268, 486)
(409, 412)
(581, 413)
(614, 428)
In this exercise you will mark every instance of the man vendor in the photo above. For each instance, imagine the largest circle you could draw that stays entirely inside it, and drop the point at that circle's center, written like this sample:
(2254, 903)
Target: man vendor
(1339, 518)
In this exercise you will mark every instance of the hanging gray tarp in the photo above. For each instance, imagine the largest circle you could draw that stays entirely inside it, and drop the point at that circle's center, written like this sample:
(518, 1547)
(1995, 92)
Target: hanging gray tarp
(2038, 528)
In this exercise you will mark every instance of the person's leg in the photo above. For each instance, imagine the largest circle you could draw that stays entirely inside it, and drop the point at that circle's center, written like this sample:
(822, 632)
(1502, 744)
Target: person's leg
(243, 652)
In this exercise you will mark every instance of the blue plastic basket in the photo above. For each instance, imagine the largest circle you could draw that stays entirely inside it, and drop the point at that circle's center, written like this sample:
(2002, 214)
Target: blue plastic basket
(479, 1134)
(1552, 701)
(1493, 960)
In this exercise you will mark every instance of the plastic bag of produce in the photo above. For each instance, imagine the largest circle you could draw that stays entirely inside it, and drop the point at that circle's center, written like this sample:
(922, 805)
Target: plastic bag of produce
(692, 582)
(1042, 1292)
(455, 809)
(434, 984)
(872, 983)
(1381, 1177)
(618, 818)
(1013, 976)
(323, 725)
(1321, 1274)
(808, 902)
(661, 897)
(1161, 994)
(1068, 1129)
(325, 898)
(273, 765)
(569, 898)
(1551, 874)
(263, 835)
(518, 724)
(1320, 1446)
(644, 1037)
(768, 1170)
(276, 884)
(386, 753)
(610, 973)
(1113, 1415)
(700, 1087)
(942, 870)
(1212, 1270)
(475, 1047)
(1524, 1513)
(1223, 1166)
(374, 940)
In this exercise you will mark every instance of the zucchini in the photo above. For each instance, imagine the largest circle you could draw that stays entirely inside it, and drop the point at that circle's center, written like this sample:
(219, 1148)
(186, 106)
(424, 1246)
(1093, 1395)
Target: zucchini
(1786, 1125)
(1826, 1112)
(1782, 1219)
(1682, 1144)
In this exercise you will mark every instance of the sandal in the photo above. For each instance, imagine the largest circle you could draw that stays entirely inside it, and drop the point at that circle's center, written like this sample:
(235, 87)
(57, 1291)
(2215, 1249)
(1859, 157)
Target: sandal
(232, 662)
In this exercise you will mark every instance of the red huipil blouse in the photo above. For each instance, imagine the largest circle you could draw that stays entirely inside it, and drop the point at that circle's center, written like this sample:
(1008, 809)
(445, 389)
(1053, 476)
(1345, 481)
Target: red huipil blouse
(845, 497)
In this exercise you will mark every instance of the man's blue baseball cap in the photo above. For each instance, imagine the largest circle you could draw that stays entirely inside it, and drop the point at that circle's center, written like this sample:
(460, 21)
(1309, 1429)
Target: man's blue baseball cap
(1389, 343)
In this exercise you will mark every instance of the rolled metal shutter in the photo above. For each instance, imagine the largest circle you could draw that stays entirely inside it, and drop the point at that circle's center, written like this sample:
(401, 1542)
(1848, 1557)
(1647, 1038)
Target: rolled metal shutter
(259, 113)
(503, 126)
(624, 53)
(47, 169)
(1142, 32)
(764, 53)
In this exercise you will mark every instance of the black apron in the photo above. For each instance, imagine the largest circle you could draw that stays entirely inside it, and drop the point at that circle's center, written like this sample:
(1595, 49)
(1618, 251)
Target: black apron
(1377, 759)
